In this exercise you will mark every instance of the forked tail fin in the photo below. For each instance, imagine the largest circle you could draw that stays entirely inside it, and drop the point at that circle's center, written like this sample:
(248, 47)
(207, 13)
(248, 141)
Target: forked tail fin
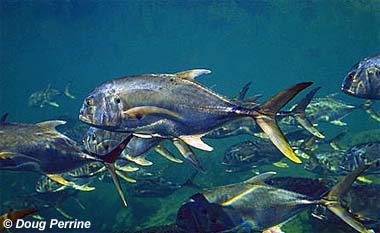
(265, 117)
(298, 112)
(109, 162)
(332, 200)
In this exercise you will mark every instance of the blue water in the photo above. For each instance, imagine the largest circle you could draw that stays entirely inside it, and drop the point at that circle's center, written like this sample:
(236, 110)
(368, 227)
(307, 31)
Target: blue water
(274, 44)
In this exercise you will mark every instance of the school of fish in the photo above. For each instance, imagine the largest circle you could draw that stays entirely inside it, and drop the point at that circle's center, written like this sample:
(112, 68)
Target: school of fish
(172, 114)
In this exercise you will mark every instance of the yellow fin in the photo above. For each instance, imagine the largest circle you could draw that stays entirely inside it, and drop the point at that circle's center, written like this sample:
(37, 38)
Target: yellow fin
(196, 141)
(37, 216)
(58, 178)
(280, 164)
(270, 127)
(160, 149)
(274, 229)
(188, 154)
(7, 155)
(138, 113)
(191, 74)
(338, 123)
(124, 177)
(127, 168)
(365, 179)
(140, 160)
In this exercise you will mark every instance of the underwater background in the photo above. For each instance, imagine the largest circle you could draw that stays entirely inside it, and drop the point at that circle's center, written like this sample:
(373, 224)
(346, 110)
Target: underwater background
(273, 44)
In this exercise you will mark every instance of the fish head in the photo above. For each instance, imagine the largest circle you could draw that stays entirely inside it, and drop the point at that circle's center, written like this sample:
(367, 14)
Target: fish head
(199, 215)
(363, 80)
(103, 107)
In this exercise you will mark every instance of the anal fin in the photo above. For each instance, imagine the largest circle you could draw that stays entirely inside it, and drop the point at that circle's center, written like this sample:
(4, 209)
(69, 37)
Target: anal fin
(196, 141)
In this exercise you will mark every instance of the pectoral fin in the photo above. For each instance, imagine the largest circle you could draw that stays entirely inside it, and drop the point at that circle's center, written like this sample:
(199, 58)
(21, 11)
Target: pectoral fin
(138, 113)
(51, 124)
(191, 74)
(196, 141)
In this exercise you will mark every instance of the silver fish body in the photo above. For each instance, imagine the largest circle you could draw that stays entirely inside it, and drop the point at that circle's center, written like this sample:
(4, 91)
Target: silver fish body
(363, 80)
(176, 106)
(255, 205)
(195, 109)
(39, 147)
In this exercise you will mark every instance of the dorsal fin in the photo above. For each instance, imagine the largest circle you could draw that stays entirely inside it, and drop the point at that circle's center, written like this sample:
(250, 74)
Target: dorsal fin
(3, 118)
(192, 74)
(51, 124)
(260, 178)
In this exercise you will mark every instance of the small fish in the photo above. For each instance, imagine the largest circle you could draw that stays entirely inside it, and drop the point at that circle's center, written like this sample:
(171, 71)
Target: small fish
(47, 97)
(248, 154)
(363, 80)
(175, 106)
(56, 183)
(327, 109)
(250, 205)
(244, 155)
(361, 154)
(343, 161)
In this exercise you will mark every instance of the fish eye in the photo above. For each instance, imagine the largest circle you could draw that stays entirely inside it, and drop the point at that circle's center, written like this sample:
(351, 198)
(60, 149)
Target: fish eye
(90, 101)
(117, 100)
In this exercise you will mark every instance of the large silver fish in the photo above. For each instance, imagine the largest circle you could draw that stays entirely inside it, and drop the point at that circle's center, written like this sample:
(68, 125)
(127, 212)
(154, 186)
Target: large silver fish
(254, 205)
(363, 80)
(176, 106)
(41, 148)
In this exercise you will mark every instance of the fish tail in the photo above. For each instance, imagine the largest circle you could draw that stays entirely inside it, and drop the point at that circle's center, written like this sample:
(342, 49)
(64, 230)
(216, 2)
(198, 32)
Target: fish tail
(67, 93)
(298, 112)
(109, 162)
(265, 117)
(332, 200)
